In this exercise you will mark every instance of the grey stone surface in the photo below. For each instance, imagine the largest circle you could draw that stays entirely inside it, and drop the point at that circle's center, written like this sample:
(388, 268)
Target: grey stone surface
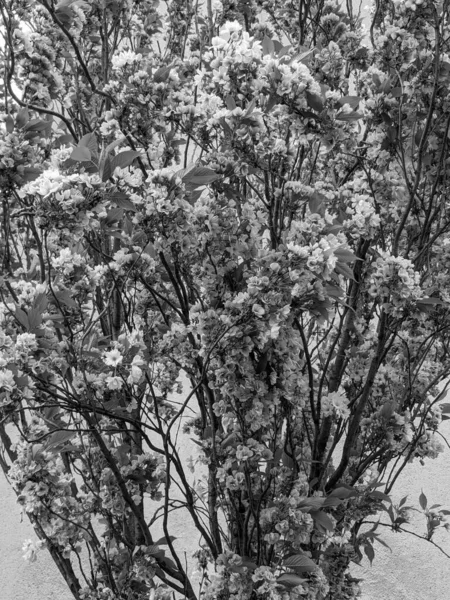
(20, 580)
(415, 570)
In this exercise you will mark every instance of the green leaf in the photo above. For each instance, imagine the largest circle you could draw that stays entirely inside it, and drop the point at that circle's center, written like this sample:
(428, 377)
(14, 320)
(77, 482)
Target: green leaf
(290, 580)
(121, 200)
(352, 101)
(9, 123)
(268, 47)
(155, 550)
(31, 173)
(64, 14)
(113, 216)
(321, 518)
(110, 147)
(380, 496)
(332, 501)
(58, 439)
(124, 159)
(249, 563)
(423, 501)
(162, 74)
(22, 118)
(230, 440)
(431, 301)
(36, 125)
(63, 140)
(200, 176)
(163, 540)
(287, 461)
(81, 154)
(345, 255)
(333, 290)
(317, 203)
(369, 552)
(22, 317)
(344, 270)
(89, 141)
(315, 102)
(313, 503)
(105, 168)
(343, 492)
(64, 297)
(34, 318)
(299, 561)
(230, 102)
(348, 117)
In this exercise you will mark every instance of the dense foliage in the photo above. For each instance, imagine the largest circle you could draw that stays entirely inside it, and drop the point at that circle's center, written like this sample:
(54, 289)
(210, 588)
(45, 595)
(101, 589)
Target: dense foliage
(246, 203)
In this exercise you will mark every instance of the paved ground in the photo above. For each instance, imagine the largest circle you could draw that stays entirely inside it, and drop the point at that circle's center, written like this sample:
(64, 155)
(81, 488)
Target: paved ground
(414, 571)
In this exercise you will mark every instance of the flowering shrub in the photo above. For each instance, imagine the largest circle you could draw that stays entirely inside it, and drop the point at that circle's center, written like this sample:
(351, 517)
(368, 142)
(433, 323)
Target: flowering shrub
(253, 197)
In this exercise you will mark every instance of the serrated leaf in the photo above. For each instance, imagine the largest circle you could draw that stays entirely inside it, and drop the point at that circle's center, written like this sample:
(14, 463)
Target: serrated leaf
(162, 74)
(290, 580)
(317, 203)
(9, 123)
(22, 317)
(21, 382)
(330, 501)
(30, 174)
(299, 561)
(344, 270)
(321, 518)
(59, 438)
(313, 503)
(40, 302)
(343, 493)
(34, 318)
(36, 125)
(333, 291)
(396, 92)
(124, 159)
(315, 102)
(349, 117)
(155, 550)
(22, 118)
(383, 543)
(248, 563)
(423, 501)
(163, 540)
(431, 301)
(380, 496)
(445, 407)
(250, 107)
(110, 147)
(345, 255)
(122, 200)
(114, 215)
(352, 101)
(230, 102)
(105, 168)
(287, 461)
(65, 298)
(81, 154)
(200, 176)
(63, 140)
(230, 440)
(268, 47)
(89, 141)
(369, 552)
